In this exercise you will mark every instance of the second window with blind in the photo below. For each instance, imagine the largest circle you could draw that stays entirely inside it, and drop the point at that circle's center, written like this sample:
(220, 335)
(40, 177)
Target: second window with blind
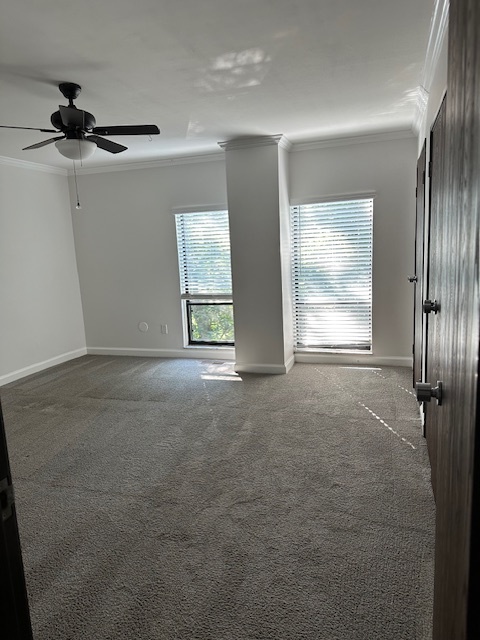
(332, 275)
(203, 241)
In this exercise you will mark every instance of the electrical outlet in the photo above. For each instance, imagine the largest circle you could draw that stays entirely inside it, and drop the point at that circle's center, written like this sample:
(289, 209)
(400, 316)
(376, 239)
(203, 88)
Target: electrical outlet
(164, 328)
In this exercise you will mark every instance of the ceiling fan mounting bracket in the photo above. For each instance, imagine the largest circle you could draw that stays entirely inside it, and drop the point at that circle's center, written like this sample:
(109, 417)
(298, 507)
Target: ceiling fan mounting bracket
(70, 90)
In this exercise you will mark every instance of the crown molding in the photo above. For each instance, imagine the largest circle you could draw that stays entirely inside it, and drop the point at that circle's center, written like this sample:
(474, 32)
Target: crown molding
(347, 141)
(237, 143)
(151, 164)
(33, 166)
(256, 141)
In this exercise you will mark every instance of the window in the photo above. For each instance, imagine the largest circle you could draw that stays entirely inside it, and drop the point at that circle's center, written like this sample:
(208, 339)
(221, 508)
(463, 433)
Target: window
(205, 277)
(332, 274)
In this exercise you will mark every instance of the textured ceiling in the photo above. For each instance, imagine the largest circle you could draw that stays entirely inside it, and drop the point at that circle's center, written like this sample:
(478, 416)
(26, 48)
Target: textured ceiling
(209, 70)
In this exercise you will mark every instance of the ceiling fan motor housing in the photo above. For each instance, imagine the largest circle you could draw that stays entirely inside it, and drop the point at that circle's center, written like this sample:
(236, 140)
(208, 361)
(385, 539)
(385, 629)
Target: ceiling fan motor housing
(88, 119)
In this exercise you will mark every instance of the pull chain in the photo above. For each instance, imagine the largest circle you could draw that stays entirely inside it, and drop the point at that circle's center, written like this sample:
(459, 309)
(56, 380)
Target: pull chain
(78, 205)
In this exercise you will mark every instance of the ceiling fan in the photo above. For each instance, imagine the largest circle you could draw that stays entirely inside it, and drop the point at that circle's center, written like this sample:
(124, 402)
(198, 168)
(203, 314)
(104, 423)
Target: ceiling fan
(80, 137)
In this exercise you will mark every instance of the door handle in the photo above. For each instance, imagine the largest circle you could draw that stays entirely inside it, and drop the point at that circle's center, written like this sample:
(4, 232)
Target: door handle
(412, 278)
(425, 392)
(430, 306)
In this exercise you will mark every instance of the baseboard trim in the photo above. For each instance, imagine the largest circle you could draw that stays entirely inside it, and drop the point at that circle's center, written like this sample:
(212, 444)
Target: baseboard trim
(211, 353)
(41, 366)
(275, 369)
(350, 358)
(289, 363)
(208, 354)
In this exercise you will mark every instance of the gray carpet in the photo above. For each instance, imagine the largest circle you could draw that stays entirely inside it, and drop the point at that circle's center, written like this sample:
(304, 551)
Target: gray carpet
(172, 499)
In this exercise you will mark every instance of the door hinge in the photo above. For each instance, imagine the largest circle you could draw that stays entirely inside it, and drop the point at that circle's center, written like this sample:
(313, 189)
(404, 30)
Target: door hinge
(7, 498)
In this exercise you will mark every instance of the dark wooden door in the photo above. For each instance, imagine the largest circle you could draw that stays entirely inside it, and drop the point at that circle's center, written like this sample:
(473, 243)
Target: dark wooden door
(419, 257)
(434, 277)
(15, 616)
(454, 338)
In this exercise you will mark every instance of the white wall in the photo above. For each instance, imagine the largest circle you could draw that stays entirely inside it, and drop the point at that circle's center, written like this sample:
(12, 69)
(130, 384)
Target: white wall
(127, 253)
(127, 256)
(435, 70)
(388, 169)
(437, 87)
(437, 91)
(41, 320)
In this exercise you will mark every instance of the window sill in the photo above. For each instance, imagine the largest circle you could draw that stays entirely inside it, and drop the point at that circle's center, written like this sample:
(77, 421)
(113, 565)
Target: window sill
(366, 352)
(214, 347)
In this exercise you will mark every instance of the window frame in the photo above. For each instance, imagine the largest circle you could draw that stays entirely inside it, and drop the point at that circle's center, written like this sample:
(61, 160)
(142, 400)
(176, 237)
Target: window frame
(208, 298)
(199, 303)
(333, 348)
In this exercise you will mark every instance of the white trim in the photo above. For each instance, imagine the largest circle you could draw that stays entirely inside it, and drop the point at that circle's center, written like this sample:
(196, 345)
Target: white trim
(256, 141)
(207, 296)
(354, 358)
(289, 363)
(346, 141)
(438, 30)
(40, 366)
(205, 353)
(34, 166)
(422, 417)
(337, 197)
(275, 369)
(436, 37)
(200, 208)
(420, 108)
(215, 156)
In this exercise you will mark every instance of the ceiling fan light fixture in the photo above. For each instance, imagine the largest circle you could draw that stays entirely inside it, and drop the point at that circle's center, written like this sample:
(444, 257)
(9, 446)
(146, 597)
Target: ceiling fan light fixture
(76, 149)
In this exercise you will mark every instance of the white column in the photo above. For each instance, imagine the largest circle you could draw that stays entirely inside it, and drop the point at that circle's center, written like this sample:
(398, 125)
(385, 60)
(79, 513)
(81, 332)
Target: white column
(257, 192)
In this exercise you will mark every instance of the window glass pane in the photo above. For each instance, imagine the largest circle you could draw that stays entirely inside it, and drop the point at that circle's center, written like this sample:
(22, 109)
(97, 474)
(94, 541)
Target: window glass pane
(332, 274)
(210, 323)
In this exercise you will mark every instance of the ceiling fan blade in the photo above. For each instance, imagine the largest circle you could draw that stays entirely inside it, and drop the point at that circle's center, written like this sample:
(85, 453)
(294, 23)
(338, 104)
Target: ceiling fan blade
(43, 143)
(107, 145)
(72, 117)
(128, 130)
(3, 126)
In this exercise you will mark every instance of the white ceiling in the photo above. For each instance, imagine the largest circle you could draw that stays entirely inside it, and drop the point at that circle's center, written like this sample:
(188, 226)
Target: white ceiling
(206, 71)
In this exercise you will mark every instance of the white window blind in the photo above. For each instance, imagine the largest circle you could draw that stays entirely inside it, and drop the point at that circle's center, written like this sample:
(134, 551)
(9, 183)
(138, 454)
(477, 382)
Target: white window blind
(332, 274)
(204, 255)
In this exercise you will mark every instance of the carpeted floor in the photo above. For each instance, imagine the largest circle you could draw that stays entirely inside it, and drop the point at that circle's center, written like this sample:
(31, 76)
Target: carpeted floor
(175, 500)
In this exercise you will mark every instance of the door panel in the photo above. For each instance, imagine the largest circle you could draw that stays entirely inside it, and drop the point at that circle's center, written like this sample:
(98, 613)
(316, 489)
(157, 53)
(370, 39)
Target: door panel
(419, 257)
(434, 276)
(454, 338)
(13, 594)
